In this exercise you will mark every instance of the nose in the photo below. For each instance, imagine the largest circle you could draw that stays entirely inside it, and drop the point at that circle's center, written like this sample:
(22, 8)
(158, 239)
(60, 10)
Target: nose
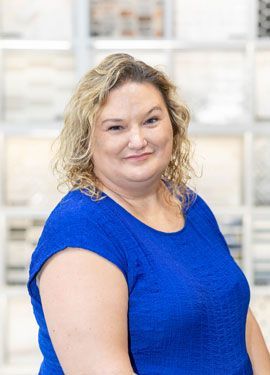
(137, 140)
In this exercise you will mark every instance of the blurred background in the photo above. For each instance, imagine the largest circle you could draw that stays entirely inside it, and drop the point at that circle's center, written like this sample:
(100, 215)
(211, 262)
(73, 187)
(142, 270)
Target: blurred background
(217, 53)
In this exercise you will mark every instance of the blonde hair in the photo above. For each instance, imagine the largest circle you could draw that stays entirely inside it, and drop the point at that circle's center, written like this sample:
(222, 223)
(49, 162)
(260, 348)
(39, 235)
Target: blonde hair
(73, 161)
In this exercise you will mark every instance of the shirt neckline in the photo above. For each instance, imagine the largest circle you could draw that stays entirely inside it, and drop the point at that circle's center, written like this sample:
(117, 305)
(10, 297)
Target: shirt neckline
(145, 226)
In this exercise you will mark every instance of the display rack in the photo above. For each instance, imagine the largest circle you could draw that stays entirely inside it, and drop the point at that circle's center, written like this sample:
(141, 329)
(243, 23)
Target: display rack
(219, 62)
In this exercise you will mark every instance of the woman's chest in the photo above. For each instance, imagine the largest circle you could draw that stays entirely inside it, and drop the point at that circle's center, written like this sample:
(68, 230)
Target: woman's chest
(183, 284)
(184, 261)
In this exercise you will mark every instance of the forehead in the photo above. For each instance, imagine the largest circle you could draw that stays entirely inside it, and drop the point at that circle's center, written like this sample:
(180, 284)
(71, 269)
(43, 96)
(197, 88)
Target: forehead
(132, 96)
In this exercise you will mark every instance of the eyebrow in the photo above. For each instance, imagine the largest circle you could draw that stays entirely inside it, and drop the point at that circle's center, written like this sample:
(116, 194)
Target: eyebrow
(156, 108)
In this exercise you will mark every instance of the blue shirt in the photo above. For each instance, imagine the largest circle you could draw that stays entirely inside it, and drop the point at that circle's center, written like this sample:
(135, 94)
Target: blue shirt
(188, 299)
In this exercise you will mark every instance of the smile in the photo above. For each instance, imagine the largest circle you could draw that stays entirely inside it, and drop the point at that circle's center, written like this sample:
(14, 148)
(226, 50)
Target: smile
(139, 157)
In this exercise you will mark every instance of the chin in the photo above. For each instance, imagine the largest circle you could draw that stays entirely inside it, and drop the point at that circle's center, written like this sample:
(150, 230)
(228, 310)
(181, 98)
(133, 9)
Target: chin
(143, 177)
(140, 174)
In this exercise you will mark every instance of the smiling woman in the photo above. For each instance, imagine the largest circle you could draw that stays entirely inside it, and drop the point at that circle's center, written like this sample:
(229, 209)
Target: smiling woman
(101, 105)
(131, 272)
(137, 146)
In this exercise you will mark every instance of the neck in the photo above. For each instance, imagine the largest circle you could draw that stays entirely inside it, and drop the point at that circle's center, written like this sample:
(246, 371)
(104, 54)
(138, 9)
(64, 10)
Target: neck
(142, 198)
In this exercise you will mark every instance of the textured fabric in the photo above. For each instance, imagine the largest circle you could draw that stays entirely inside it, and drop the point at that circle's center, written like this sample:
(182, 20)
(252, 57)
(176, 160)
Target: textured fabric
(188, 299)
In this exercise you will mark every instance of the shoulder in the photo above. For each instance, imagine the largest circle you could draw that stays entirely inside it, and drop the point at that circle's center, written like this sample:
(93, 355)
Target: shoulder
(75, 206)
(201, 208)
(77, 221)
(186, 196)
(76, 199)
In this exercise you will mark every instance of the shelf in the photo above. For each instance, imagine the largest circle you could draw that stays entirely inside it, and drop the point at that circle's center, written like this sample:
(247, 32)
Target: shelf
(50, 129)
(233, 210)
(18, 44)
(262, 43)
(257, 210)
(14, 370)
(261, 128)
(24, 212)
(260, 290)
(164, 44)
(14, 291)
(227, 129)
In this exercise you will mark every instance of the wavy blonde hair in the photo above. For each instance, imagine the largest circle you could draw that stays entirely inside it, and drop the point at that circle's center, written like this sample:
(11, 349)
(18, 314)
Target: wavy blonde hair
(73, 160)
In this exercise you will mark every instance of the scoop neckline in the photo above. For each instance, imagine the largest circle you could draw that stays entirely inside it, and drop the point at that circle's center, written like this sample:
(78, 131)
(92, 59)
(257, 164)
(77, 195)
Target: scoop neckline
(146, 226)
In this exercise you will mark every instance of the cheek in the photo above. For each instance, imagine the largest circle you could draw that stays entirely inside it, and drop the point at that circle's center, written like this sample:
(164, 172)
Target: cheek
(169, 148)
(107, 149)
(166, 141)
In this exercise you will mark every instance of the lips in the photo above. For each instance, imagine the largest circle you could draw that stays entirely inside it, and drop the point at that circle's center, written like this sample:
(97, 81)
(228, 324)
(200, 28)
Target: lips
(141, 156)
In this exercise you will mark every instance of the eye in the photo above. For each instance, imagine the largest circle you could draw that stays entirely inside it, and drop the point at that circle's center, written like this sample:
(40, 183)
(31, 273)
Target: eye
(115, 128)
(152, 120)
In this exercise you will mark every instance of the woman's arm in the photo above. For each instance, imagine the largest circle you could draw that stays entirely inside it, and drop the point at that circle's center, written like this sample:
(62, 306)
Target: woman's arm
(85, 302)
(256, 347)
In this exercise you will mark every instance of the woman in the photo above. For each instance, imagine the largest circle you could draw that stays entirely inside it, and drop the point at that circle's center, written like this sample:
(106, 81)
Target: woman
(131, 272)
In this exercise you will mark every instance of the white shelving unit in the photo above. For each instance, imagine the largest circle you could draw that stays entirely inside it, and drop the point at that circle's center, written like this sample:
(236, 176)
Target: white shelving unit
(222, 75)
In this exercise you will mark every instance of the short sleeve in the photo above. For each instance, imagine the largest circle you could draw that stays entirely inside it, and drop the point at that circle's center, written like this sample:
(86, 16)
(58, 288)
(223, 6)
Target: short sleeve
(73, 226)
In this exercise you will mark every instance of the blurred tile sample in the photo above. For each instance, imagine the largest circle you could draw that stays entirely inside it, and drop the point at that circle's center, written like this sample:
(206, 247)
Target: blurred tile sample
(211, 19)
(37, 85)
(31, 19)
(213, 85)
(261, 249)
(219, 160)
(264, 18)
(22, 236)
(262, 85)
(261, 171)
(231, 227)
(21, 333)
(127, 18)
(29, 180)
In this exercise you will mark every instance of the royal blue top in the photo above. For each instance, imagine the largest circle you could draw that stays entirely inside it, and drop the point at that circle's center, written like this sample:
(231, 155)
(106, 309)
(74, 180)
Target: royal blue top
(188, 299)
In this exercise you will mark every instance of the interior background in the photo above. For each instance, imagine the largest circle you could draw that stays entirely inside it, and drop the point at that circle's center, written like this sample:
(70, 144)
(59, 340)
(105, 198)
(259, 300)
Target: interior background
(217, 52)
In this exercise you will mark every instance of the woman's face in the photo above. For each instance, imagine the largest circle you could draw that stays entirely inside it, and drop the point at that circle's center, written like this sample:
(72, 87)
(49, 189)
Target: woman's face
(133, 136)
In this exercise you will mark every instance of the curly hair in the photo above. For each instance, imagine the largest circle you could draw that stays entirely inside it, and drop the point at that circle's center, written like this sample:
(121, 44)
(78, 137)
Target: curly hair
(73, 160)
